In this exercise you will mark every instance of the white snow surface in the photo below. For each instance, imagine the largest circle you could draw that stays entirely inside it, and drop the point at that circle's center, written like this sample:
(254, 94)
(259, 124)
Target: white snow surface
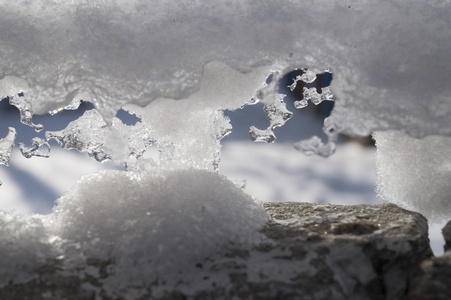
(152, 225)
(419, 175)
(390, 59)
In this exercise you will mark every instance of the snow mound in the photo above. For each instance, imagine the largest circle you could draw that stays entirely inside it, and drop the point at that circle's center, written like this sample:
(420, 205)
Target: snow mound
(153, 226)
(25, 244)
(415, 173)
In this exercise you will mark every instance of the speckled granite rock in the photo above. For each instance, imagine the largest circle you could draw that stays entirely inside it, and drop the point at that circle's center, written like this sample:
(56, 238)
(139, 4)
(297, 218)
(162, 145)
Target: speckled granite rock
(310, 251)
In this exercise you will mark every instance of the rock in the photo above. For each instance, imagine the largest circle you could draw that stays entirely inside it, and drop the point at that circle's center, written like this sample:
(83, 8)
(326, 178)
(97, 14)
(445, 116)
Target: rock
(434, 280)
(446, 231)
(349, 252)
(308, 251)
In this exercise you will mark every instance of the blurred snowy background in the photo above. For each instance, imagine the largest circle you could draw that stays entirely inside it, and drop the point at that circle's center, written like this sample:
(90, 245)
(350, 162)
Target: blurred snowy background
(271, 172)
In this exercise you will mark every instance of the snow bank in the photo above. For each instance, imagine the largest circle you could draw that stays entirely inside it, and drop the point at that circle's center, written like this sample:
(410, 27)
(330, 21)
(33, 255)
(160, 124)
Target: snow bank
(390, 60)
(153, 226)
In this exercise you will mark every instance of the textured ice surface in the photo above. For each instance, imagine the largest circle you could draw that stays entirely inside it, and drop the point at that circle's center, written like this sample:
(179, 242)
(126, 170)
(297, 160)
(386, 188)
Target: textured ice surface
(415, 172)
(152, 225)
(39, 148)
(26, 115)
(7, 146)
(88, 133)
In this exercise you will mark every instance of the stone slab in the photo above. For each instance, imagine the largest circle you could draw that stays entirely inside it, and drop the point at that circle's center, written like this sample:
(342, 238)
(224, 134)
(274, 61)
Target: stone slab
(308, 251)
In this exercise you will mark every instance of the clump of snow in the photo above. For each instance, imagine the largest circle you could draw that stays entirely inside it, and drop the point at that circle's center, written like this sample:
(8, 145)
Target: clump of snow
(415, 173)
(153, 226)
(25, 245)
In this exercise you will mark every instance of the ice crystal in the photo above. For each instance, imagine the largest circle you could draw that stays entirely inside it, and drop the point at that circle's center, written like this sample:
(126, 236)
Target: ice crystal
(39, 148)
(258, 135)
(7, 146)
(26, 114)
(316, 146)
(310, 94)
(307, 77)
(87, 134)
(327, 95)
(300, 104)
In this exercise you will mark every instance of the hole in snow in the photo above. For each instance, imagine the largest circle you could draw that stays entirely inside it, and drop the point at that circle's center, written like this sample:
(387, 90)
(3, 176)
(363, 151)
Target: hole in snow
(322, 80)
(127, 118)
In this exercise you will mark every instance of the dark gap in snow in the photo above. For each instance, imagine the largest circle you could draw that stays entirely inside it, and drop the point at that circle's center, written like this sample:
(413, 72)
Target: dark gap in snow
(127, 118)
(305, 122)
(269, 79)
(10, 117)
(322, 80)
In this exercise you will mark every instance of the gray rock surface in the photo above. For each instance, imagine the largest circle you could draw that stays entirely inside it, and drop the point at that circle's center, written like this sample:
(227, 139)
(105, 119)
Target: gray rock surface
(309, 251)
(353, 252)
(434, 280)
(446, 231)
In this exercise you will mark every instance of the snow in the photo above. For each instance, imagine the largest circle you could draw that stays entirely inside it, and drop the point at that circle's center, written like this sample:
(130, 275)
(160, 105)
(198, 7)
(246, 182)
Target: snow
(177, 67)
(382, 55)
(415, 173)
(164, 222)
(161, 221)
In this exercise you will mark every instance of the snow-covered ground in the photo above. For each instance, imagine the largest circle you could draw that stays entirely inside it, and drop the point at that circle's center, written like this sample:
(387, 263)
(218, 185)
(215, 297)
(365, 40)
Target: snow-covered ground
(273, 172)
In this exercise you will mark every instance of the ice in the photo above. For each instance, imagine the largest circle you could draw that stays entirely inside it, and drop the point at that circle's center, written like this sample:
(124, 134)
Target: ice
(310, 94)
(307, 77)
(300, 104)
(88, 133)
(75, 104)
(258, 135)
(315, 145)
(36, 149)
(327, 95)
(274, 107)
(7, 146)
(26, 114)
